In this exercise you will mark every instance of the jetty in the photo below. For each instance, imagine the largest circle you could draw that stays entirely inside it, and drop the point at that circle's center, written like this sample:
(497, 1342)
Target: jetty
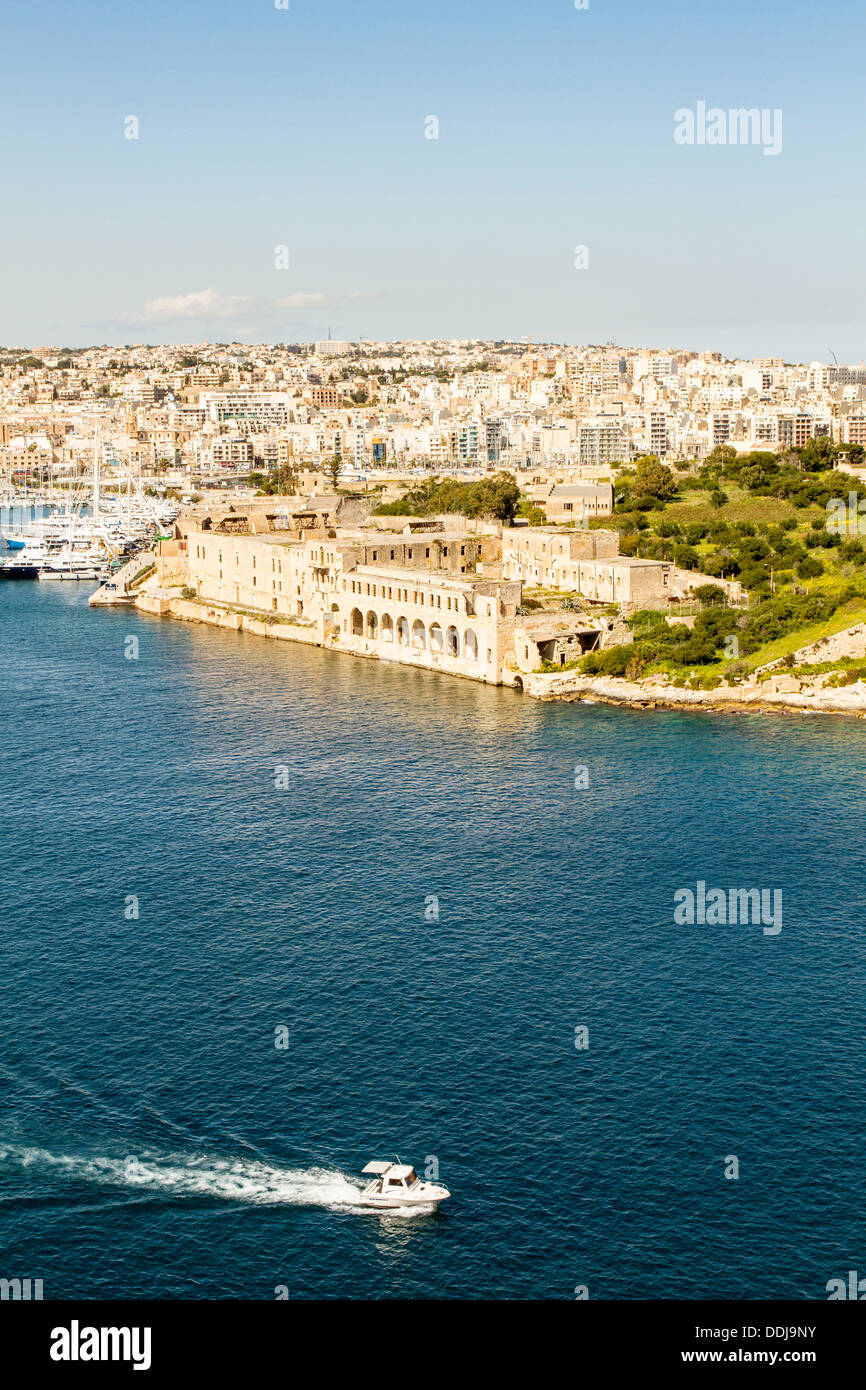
(124, 584)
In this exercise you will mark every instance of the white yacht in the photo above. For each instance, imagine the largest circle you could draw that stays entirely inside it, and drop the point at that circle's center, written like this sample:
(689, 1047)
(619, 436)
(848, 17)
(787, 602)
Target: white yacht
(398, 1185)
(33, 552)
(71, 565)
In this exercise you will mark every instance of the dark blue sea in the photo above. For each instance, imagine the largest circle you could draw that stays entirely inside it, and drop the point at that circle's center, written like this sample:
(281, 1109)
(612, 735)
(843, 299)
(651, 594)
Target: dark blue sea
(156, 1143)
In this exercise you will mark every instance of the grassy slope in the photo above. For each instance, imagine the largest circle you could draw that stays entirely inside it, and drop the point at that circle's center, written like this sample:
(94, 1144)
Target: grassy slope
(741, 506)
(847, 616)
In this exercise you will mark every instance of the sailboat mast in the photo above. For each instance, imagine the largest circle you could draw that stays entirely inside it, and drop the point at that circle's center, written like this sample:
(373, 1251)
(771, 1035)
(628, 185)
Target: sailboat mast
(95, 504)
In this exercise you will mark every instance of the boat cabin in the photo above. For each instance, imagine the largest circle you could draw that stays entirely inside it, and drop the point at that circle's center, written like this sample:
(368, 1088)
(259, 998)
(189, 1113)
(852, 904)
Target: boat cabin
(393, 1176)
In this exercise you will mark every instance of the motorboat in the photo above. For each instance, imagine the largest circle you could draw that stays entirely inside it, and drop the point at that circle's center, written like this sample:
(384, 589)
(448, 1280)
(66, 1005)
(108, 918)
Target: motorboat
(35, 552)
(72, 569)
(25, 563)
(69, 563)
(398, 1185)
(18, 569)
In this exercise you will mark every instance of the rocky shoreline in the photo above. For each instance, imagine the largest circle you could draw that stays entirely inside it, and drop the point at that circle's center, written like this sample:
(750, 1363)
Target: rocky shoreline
(778, 694)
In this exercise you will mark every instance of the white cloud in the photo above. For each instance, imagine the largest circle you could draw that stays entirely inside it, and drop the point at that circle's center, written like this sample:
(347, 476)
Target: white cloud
(198, 304)
(299, 300)
(211, 304)
(364, 294)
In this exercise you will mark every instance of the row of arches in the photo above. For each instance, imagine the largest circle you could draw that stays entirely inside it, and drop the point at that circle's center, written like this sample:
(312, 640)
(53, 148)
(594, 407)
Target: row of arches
(436, 640)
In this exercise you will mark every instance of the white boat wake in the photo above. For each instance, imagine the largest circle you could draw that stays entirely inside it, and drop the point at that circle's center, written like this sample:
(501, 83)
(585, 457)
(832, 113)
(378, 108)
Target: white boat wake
(184, 1175)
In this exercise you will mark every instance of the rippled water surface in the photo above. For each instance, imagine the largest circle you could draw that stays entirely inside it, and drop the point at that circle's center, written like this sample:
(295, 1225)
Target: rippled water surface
(155, 1143)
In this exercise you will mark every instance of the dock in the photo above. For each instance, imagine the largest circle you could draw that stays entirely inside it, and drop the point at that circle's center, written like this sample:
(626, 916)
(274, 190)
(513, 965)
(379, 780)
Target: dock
(124, 583)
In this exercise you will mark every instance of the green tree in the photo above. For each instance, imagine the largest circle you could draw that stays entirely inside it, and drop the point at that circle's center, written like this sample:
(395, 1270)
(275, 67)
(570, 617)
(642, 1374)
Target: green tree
(722, 456)
(653, 479)
(495, 497)
(333, 467)
(535, 515)
(710, 594)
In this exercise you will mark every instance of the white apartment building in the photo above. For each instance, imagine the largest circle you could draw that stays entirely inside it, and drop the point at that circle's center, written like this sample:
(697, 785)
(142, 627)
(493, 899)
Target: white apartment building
(269, 409)
(600, 442)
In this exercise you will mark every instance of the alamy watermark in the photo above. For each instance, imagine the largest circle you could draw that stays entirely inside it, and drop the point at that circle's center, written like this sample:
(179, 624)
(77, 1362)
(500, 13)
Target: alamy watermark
(22, 1290)
(717, 907)
(737, 126)
(847, 519)
(853, 1288)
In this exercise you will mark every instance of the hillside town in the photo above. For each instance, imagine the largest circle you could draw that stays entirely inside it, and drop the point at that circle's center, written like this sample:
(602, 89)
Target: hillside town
(514, 514)
(203, 414)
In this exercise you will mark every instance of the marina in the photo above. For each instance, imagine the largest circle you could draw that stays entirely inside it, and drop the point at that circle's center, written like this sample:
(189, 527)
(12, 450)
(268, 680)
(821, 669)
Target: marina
(81, 534)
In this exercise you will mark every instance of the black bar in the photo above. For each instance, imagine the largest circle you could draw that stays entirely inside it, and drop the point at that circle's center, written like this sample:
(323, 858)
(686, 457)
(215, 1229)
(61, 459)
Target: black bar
(231, 1338)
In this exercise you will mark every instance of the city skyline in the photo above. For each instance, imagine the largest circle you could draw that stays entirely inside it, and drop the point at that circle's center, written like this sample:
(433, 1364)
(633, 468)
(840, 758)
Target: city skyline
(366, 345)
(497, 174)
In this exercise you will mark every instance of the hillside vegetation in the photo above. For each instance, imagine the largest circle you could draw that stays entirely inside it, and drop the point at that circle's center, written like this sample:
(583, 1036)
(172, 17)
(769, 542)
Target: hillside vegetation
(770, 522)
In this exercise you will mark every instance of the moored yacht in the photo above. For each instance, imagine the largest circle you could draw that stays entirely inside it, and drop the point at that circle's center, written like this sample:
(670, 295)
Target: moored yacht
(24, 565)
(73, 567)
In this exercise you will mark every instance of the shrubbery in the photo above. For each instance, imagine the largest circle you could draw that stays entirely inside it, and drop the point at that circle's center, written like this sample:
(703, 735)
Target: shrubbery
(657, 642)
(495, 497)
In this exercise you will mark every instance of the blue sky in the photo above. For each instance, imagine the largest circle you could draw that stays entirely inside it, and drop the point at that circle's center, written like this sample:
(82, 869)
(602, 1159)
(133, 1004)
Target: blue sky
(305, 127)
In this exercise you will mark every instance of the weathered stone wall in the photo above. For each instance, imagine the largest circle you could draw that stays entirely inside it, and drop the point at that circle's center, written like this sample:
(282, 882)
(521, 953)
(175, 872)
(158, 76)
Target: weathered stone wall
(848, 644)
